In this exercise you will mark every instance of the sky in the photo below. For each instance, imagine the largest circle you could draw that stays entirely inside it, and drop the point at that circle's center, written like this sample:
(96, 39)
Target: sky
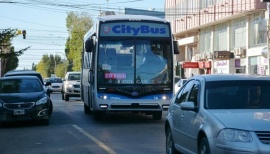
(45, 22)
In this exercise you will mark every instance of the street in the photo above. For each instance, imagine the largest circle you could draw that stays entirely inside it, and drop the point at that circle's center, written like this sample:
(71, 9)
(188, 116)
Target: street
(71, 131)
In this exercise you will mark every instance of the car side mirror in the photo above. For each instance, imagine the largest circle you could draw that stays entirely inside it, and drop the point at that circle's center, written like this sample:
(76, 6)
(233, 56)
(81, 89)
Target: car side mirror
(48, 83)
(188, 106)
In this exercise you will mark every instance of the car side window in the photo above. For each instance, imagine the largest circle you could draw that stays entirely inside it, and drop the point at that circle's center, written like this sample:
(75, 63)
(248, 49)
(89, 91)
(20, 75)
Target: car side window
(194, 94)
(182, 95)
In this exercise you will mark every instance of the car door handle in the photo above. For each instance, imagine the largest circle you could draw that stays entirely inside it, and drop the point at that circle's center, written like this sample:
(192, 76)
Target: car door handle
(182, 116)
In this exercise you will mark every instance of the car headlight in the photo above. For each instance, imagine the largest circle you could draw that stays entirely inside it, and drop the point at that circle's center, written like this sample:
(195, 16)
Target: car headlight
(70, 86)
(234, 135)
(42, 101)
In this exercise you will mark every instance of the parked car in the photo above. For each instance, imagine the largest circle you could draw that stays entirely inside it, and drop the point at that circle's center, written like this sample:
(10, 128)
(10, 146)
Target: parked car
(179, 84)
(220, 114)
(71, 85)
(56, 84)
(24, 98)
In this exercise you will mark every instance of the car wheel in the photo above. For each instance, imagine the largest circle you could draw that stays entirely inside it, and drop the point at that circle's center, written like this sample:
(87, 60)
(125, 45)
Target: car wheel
(63, 96)
(66, 97)
(50, 109)
(170, 148)
(99, 115)
(86, 109)
(45, 121)
(157, 115)
(204, 146)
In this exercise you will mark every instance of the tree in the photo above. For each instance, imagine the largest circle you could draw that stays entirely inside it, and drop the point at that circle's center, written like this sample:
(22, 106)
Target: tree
(49, 65)
(8, 55)
(77, 25)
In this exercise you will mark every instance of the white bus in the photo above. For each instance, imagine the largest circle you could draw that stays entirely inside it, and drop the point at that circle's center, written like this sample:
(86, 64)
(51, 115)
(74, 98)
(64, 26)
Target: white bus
(127, 65)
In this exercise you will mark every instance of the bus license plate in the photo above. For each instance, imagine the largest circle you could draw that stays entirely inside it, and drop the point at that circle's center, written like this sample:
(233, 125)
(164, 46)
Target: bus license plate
(19, 112)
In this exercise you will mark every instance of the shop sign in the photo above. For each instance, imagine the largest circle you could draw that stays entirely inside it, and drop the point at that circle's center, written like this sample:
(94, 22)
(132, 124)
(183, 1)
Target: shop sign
(222, 55)
(190, 65)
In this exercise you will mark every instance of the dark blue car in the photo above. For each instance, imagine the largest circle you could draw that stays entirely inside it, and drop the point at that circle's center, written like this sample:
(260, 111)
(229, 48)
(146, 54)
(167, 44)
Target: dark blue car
(24, 98)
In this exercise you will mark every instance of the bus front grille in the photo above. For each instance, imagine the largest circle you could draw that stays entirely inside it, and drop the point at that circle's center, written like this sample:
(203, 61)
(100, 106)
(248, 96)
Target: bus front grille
(135, 106)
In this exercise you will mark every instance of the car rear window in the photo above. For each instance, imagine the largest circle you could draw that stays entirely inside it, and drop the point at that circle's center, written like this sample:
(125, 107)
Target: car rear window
(20, 86)
(236, 94)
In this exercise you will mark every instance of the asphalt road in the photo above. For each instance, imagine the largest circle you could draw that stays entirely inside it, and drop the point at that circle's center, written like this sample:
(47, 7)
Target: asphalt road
(72, 132)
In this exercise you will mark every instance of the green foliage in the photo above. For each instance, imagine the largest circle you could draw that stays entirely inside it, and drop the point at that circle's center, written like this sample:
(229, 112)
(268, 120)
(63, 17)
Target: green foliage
(77, 25)
(49, 65)
(8, 55)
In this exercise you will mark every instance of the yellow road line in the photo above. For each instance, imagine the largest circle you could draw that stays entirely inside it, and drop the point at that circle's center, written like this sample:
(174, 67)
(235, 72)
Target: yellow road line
(102, 145)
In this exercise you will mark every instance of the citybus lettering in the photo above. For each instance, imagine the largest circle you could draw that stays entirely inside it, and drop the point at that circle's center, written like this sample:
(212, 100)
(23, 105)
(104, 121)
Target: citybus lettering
(143, 29)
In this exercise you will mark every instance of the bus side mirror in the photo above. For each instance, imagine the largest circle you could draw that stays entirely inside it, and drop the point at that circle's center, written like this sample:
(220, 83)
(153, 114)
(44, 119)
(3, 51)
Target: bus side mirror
(89, 45)
(176, 47)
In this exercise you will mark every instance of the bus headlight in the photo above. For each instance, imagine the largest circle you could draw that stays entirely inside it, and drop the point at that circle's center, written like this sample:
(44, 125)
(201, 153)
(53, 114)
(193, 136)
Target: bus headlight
(164, 97)
(103, 97)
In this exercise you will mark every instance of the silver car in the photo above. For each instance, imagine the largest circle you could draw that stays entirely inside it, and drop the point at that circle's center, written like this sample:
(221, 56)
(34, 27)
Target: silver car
(220, 114)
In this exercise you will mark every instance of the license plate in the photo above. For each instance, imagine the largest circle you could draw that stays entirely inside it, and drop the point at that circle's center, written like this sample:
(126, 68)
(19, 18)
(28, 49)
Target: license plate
(19, 112)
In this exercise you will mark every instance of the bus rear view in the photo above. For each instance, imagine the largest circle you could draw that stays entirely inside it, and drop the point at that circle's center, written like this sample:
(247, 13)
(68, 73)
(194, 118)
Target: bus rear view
(131, 66)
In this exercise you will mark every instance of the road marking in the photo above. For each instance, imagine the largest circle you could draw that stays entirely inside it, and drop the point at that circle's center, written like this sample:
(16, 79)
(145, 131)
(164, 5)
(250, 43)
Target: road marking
(102, 145)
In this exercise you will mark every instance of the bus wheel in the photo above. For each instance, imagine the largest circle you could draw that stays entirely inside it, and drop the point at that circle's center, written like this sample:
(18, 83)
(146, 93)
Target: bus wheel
(157, 115)
(86, 109)
(99, 115)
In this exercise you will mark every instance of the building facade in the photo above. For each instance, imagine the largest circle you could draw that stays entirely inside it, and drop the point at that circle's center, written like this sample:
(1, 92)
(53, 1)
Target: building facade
(220, 36)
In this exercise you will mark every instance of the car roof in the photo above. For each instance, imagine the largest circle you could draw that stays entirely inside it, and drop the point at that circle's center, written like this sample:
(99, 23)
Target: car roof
(19, 77)
(73, 72)
(24, 73)
(229, 77)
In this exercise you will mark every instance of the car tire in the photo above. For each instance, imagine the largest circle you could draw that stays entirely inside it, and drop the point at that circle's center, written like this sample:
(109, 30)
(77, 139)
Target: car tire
(86, 109)
(204, 146)
(99, 115)
(45, 121)
(170, 148)
(63, 98)
(50, 109)
(66, 97)
(157, 115)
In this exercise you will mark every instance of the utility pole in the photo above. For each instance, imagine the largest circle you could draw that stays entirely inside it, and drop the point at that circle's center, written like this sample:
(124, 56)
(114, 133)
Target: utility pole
(107, 4)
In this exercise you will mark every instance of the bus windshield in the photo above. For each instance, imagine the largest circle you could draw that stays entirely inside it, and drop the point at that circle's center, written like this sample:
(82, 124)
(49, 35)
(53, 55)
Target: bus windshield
(134, 61)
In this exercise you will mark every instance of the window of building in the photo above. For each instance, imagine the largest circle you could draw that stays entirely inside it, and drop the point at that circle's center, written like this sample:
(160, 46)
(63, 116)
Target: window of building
(220, 37)
(205, 40)
(253, 65)
(258, 30)
(239, 31)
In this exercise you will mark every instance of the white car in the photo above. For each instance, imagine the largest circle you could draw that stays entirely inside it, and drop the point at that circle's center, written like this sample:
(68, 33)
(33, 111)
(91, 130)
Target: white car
(56, 84)
(179, 84)
(71, 86)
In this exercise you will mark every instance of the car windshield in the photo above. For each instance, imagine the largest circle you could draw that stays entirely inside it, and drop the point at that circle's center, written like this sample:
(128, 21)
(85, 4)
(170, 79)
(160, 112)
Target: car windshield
(74, 77)
(20, 86)
(237, 95)
(55, 80)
